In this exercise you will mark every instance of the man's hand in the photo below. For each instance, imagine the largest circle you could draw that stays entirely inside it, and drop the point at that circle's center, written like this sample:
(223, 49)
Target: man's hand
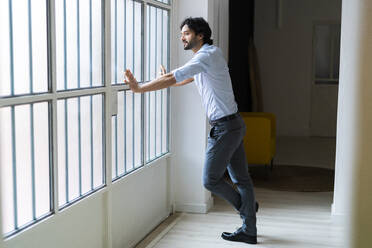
(162, 70)
(162, 82)
(130, 79)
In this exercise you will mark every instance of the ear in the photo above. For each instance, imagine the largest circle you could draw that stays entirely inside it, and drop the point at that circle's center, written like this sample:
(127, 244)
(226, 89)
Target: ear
(200, 36)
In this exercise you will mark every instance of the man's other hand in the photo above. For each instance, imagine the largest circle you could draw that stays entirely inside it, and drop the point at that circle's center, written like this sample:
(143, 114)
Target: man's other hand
(130, 79)
(162, 70)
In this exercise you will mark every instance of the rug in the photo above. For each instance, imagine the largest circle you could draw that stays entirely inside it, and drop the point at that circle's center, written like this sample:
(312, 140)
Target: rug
(292, 178)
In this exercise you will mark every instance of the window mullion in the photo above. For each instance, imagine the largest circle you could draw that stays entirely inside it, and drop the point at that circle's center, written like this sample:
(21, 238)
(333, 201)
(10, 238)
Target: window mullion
(107, 137)
(133, 94)
(144, 79)
(108, 90)
(170, 31)
(143, 73)
(52, 82)
(155, 70)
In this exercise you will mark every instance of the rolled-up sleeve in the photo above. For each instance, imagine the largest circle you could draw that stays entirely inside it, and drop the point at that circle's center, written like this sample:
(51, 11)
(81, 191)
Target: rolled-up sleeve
(196, 65)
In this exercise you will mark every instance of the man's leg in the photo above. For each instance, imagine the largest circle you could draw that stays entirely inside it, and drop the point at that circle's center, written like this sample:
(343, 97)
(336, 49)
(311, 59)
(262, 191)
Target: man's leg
(219, 153)
(238, 171)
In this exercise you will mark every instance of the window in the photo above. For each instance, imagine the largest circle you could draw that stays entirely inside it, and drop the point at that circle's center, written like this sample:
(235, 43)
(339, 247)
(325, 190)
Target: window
(157, 101)
(80, 146)
(79, 46)
(25, 164)
(25, 144)
(140, 127)
(54, 100)
(23, 62)
(79, 64)
(326, 53)
(127, 51)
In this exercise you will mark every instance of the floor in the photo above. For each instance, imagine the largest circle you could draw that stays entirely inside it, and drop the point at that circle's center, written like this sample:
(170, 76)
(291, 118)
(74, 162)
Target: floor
(285, 219)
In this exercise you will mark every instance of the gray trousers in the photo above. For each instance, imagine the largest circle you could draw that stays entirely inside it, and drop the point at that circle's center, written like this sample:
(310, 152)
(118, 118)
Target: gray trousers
(226, 151)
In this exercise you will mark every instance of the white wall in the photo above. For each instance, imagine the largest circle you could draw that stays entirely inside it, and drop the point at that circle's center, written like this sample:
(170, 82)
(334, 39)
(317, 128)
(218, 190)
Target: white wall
(218, 18)
(189, 120)
(352, 196)
(285, 58)
(189, 125)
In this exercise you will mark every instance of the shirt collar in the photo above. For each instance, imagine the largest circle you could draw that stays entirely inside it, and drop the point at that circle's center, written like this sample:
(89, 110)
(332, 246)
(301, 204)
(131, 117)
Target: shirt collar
(204, 47)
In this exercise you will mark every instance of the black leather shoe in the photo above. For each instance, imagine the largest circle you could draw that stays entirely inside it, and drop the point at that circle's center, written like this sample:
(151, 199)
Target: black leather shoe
(239, 236)
(229, 233)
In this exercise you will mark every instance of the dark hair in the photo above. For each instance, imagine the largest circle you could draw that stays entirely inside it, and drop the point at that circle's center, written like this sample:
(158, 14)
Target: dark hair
(199, 26)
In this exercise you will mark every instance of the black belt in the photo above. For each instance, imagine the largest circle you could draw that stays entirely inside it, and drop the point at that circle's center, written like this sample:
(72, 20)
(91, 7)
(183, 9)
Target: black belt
(225, 118)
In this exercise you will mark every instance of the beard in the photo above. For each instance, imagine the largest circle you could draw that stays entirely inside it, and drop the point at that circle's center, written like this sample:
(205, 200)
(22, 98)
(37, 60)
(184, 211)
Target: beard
(189, 45)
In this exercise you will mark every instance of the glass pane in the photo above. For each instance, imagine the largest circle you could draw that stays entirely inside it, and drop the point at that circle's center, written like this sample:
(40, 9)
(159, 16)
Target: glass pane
(164, 116)
(25, 162)
(126, 31)
(157, 108)
(165, 40)
(153, 42)
(127, 134)
(152, 122)
(23, 64)
(80, 146)
(158, 123)
(114, 150)
(79, 45)
(137, 42)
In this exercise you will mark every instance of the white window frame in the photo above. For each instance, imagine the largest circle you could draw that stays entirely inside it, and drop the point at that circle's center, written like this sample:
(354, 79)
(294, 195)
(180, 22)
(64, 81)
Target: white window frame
(108, 90)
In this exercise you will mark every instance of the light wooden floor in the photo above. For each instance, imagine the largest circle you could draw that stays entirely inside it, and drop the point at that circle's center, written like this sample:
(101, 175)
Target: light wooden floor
(285, 219)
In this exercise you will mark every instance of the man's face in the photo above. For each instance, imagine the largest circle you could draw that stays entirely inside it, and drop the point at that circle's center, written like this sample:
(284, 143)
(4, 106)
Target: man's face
(188, 37)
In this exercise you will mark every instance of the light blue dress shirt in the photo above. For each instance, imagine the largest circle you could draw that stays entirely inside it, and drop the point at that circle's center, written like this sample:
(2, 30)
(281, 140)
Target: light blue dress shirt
(211, 75)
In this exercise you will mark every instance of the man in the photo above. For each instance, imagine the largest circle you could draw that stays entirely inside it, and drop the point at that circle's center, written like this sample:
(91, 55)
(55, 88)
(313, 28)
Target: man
(225, 142)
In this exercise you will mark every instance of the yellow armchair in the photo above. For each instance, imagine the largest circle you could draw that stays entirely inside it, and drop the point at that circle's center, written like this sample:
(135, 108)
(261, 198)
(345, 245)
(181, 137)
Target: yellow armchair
(260, 137)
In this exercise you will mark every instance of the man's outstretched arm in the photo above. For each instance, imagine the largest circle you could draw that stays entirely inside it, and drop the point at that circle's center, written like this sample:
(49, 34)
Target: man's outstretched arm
(186, 81)
(164, 81)
(159, 83)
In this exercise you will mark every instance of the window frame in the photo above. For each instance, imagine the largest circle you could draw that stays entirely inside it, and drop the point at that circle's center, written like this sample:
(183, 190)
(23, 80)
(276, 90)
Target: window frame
(107, 90)
(331, 80)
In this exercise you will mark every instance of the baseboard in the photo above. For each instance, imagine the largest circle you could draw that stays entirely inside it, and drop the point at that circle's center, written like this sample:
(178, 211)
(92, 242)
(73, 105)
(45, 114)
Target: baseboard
(149, 228)
(152, 241)
(195, 208)
(210, 203)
